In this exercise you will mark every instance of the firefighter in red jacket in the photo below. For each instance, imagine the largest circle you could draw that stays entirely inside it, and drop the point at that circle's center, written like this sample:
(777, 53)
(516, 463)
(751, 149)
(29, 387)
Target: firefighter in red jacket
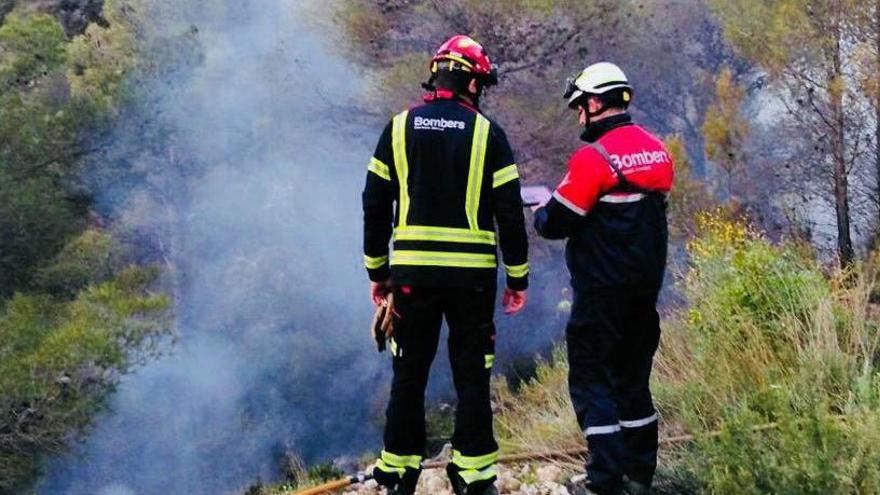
(451, 173)
(611, 207)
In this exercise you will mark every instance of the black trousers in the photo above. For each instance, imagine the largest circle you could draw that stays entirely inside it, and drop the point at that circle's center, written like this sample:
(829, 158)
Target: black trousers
(612, 338)
(469, 314)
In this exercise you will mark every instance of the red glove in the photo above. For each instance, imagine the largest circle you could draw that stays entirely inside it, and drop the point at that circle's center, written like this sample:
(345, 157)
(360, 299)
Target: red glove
(513, 301)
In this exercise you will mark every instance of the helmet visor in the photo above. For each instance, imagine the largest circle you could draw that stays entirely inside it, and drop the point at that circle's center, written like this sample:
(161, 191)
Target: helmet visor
(570, 88)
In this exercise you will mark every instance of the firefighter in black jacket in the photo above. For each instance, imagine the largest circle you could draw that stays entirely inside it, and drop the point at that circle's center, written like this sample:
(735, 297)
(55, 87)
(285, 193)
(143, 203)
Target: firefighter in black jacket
(611, 206)
(452, 175)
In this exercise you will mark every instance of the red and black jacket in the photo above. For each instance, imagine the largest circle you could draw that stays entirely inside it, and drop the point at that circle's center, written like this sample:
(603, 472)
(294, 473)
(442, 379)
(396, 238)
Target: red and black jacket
(441, 178)
(611, 206)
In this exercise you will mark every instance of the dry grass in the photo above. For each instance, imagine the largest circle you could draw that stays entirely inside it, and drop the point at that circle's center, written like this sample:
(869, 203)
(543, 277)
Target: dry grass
(539, 416)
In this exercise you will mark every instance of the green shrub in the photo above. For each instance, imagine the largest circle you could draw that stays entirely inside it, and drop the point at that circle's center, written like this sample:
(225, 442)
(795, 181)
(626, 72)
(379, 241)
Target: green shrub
(60, 360)
(780, 359)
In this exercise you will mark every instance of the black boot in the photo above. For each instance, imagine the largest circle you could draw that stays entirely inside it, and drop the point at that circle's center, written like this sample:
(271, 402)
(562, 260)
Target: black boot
(462, 488)
(395, 484)
(581, 485)
(632, 487)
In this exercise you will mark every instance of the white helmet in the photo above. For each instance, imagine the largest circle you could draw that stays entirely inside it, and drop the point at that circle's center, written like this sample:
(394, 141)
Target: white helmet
(597, 79)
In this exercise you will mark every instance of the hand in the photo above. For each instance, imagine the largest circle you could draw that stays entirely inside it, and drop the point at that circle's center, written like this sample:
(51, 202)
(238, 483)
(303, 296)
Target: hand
(513, 301)
(537, 196)
(379, 290)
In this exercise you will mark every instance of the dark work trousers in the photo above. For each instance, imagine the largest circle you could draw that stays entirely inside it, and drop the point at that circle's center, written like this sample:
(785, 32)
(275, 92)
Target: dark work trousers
(469, 314)
(612, 337)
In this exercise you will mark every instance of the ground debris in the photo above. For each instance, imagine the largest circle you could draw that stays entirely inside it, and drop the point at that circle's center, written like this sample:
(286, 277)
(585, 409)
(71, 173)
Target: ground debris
(525, 479)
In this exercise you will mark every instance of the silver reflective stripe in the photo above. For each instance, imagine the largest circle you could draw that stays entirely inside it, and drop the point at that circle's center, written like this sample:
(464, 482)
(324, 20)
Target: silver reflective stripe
(627, 198)
(638, 423)
(568, 204)
(601, 430)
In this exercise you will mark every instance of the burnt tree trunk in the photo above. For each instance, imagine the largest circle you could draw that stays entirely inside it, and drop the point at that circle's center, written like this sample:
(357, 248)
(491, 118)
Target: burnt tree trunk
(838, 156)
(877, 106)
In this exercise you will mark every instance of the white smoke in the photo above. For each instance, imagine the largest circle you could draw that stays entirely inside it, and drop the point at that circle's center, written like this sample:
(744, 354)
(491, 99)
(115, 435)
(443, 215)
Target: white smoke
(264, 241)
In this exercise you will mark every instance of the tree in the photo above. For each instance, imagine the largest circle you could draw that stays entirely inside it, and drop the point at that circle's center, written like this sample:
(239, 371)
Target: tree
(804, 47)
(725, 129)
(75, 314)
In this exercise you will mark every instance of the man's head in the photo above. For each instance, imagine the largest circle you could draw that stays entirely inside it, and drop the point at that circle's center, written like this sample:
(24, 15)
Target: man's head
(461, 66)
(599, 91)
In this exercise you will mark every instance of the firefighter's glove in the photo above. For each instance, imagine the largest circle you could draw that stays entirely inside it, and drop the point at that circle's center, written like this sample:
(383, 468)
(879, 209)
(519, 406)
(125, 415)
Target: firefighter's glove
(383, 321)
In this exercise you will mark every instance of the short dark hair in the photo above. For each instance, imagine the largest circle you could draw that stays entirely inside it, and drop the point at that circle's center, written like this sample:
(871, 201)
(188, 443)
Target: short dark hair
(616, 98)
(456, 81)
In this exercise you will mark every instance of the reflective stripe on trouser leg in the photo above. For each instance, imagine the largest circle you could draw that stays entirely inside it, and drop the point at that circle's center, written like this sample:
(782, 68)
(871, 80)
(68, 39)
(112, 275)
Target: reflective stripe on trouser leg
(400, 471)
(472, 469)
(639, 423)
(389, 462)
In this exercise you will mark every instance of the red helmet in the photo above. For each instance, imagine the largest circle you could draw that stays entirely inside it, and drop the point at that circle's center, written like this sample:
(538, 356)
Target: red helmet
(463, 53)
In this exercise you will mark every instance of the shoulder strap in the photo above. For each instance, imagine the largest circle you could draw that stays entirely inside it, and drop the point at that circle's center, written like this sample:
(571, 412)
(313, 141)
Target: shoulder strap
(604, 153)
(625, 185)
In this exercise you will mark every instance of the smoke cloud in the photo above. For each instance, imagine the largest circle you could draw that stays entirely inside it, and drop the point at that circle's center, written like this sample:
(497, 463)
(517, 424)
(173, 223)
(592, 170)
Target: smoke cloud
(265, 244)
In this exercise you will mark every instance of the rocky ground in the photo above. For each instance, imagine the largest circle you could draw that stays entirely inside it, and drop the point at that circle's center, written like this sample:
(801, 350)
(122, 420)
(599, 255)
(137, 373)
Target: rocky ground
(514, 480)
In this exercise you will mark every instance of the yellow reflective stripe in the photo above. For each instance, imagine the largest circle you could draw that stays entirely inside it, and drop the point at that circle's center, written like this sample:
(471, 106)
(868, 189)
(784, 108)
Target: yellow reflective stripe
(490, 360)
(472, 475)
(475, 175)
(381, 466)
(373, 263)
(410, 461)
(517, 270)
(444, 234)
(401, 165)
(437, 258)
(377, 167)
(505, 175)
(462, 61)
(473, 462)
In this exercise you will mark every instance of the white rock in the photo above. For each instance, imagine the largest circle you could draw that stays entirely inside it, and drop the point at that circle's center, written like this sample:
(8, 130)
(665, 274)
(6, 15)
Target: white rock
(548, 473)
(434, 484)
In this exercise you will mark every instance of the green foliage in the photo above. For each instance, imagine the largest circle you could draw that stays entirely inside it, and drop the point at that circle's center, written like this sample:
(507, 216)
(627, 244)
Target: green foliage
(36, 217)
(770, 341)
(54, 94)
(72, 318)
(93, 256)
(813, 454)
(101, 58)
(59, 360)
(34, 128)
(783, 34)
(32, 47)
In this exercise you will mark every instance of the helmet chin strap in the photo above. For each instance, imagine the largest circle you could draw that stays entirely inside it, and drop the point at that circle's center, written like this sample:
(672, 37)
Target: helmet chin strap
(429, 84)
(590, 115)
